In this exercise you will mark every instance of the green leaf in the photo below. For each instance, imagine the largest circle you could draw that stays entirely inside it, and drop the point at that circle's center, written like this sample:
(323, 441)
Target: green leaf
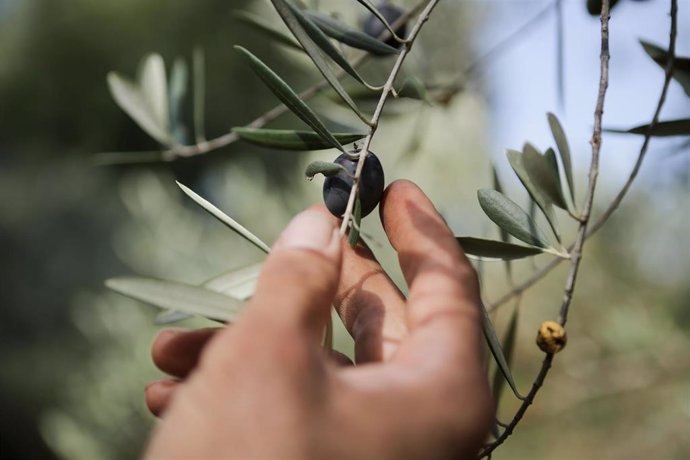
(288, 97)
(543, 172)
(178, 297)
(516, 162)
(353, 237)
(563, 150)
(373, 10)
(681, 65)
(496, 250)
(292, 140)
(499, 188)
(154, 87)
(130, 98)
(225, 219)
(263, 26)
(171, 316)
(497, 352)
(323, 167)
(354, 38)
(413, 88)
(508, 347)
(661, 129)
(510, 217)
(178, 92)
(296, 23)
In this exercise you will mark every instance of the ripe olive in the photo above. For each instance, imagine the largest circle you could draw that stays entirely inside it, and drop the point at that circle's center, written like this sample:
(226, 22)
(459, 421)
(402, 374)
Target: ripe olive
(336, 189)
(374, 27)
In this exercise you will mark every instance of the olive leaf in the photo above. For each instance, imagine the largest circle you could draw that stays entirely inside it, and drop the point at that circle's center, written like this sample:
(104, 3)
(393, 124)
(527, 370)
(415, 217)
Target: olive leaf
(543, 172)
(413, 88)
(508, 347)
(661, 129)
(296, 23)
(267, 29)
(499, 188)
(179, 79)
(225, 219)
(563, 150)
(516, 162)
(326, 168)
(497, 351)
(496, 250)
(286, 94)
(353, 237)
(292, 140)
(373, 10)
(681, 65)
(178, 297)
(510, 217)
(146, 101)
(354, 38)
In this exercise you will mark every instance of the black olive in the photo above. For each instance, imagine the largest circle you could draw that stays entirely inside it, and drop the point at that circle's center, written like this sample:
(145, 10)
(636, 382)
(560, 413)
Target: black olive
(336, 189)
(374, 27)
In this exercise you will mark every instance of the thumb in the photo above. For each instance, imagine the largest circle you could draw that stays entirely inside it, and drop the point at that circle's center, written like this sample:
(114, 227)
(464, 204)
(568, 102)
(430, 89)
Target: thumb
(300, 277)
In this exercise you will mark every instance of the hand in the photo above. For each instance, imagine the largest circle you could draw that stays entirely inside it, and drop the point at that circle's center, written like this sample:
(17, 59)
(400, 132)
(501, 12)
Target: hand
(263, 388)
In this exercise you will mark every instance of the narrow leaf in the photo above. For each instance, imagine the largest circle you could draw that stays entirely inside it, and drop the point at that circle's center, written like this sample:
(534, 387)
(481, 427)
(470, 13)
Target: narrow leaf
(154, 88)
(497, 352)
(413, 88)
(171, 316)
(496, 250)
(263, 26)
(499, 188)
(225, 219)
(178, 297)
(239, 283)
(178, 92)
(661, 129)
(508, 347)
(563, 150)
(516, 161)
(296, 26)
(323, 167)
(509, 216)
(292, 140)
(373, 10)
(283, 91)
(354, 38)
(353, 237)
(129, 98)
(543, 171)
(681, 65)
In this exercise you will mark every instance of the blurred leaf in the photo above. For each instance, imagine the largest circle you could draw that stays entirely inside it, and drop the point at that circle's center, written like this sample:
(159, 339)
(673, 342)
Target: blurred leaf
(681, 65)
(130, 98)
(291, 100)
(296, 24)
(510, 217)
(172, 316)
(179, 80)
(543, 172)
(496, 250)
(154, 87)
(292, 140)
(228, 221)
(323, 167)
(353, 237)
(178, 297)
(413, 88)
(199, 63)
(239, 283)
(508, 347)
(354, 38)
(263, 26)
(661, 129)
(370, 6)
(499, 188)
(497, 352)
(563, 150)
(516, 161)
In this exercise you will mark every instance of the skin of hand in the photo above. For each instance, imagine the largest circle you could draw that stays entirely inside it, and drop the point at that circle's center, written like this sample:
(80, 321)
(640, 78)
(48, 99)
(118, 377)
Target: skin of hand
(264, 388)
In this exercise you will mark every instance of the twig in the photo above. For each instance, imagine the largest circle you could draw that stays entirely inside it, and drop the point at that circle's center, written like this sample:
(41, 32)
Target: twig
(576, 253)
(387, 89)
(611, 208)
(275, 112)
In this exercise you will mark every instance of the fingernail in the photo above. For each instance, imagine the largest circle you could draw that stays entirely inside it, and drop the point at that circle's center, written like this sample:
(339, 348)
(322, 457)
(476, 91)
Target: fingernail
(309, 230)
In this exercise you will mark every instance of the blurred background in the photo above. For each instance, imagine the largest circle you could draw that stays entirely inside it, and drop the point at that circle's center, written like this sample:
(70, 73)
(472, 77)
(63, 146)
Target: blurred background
(75, 357)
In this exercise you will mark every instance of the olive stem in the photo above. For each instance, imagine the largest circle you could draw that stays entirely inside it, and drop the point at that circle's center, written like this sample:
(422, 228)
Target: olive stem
(387, 90)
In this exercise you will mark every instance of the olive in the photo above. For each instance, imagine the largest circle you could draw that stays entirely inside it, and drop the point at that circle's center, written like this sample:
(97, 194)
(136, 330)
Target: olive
(336, 189)
(374, 27)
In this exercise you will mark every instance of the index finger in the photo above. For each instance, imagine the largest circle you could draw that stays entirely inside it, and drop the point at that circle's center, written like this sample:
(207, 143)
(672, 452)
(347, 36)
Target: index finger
(444, 314)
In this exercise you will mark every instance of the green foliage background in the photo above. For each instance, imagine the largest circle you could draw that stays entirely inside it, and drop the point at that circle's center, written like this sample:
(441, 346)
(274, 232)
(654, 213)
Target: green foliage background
(75, 357)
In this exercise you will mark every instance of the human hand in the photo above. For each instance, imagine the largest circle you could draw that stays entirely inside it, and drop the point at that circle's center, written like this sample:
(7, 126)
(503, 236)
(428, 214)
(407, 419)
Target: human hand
(264, 388)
